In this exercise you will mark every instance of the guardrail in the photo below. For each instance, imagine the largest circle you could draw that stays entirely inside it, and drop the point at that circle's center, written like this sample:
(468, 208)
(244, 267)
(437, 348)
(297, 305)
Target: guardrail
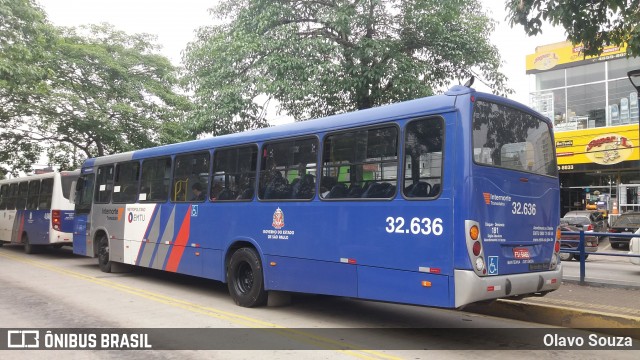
(581, 250)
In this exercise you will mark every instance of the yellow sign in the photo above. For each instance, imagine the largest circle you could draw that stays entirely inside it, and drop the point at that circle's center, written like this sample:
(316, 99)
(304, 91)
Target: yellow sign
(550, 56)
(604, 146)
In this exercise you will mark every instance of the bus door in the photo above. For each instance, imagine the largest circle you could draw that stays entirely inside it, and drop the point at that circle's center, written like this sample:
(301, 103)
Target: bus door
(82, 244)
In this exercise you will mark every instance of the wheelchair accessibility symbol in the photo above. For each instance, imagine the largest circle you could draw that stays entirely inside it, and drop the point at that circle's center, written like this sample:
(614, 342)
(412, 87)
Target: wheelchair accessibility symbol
(492, 267)
(194, 210)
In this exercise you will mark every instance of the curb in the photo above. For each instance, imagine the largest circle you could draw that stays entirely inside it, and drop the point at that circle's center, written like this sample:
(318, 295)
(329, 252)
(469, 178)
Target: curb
(598, 283)
(613, 324)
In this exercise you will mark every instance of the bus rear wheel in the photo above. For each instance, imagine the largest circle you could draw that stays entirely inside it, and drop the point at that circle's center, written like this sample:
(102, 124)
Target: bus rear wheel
(28, 247)
(245, 278)
(103, 254)
(578, 257)
(566, 256)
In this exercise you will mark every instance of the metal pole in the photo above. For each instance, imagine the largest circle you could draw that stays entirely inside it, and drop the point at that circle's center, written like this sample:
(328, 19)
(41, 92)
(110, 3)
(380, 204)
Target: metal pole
(582, 256)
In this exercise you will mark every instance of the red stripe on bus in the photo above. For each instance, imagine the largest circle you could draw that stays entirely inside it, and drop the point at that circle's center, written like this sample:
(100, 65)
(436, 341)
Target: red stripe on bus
(179, 243)
(20, 229)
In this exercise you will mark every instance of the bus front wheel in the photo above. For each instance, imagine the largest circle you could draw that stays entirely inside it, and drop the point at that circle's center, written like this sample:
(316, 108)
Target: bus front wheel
(245, 278)
(103, 254)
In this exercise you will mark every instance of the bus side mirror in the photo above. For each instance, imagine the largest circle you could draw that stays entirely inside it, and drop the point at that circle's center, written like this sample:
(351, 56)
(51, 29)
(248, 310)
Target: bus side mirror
(634, 77)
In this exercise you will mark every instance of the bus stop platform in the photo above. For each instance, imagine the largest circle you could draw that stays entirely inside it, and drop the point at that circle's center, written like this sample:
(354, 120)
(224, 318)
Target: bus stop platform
(615, 308)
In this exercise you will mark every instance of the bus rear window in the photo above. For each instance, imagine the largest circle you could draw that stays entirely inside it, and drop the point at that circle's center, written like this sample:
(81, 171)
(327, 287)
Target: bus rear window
(512, 139)
(67, 181)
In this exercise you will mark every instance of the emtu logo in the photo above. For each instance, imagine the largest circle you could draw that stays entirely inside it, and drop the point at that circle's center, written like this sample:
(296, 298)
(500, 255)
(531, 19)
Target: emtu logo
(487, 198)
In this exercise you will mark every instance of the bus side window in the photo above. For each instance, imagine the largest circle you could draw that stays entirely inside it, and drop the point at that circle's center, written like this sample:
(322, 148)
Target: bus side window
(423, 158)
(361, 163)
(46, 192)
(234, 174)
(4, 191)
(23, 192)
(289, 169)
(11, 198)
(155, 179)
(191, 177)
(104, 184)
(34, 192)
(125, 186)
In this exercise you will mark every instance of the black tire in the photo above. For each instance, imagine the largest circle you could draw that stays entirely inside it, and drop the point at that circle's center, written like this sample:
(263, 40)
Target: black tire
(57, 246)
(565, 256)
(245, 278)
(614, 245)
(577, 257)
(103, 254)
(28, 247)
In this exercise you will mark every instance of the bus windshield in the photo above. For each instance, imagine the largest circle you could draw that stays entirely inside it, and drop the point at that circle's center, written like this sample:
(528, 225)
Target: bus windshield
(512, 139)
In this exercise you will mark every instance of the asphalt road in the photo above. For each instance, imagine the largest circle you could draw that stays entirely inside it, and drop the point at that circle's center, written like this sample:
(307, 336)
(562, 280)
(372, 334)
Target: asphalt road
(57, 289)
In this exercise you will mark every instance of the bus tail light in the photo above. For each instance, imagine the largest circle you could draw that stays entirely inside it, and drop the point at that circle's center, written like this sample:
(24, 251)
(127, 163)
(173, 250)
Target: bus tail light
(474, 247)
(555, 257)
(56, 219)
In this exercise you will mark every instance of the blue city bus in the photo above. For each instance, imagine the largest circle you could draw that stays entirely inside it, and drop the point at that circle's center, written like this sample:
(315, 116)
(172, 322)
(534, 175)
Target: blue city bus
(441, 201)
(37, 210)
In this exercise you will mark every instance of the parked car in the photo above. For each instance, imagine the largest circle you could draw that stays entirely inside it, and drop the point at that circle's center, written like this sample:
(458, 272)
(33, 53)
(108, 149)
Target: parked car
(626, 223)
(590, 243)
(586, 220)
(634, 249)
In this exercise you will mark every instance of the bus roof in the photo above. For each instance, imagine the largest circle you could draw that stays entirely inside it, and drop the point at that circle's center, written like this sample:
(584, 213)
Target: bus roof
(412, 108)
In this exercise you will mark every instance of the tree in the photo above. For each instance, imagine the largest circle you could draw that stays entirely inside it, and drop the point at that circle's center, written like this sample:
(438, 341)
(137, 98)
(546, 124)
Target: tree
(109, 92)
(595, 24)
(327, 56)
(25, 42)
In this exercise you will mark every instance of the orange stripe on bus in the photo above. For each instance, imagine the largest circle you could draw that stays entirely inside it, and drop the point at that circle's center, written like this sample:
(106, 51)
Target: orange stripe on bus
(179, 244)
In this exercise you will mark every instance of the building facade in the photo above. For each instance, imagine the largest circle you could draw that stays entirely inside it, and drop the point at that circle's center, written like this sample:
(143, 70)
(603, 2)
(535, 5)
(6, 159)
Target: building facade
(595, 113)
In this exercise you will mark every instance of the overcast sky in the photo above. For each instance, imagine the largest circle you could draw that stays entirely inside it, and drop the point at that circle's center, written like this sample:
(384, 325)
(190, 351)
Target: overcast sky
(174, 22)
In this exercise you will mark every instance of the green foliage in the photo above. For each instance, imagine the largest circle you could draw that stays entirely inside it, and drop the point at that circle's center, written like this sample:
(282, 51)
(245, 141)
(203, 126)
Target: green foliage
(595, 24)
(25, 40)
(79, 93)
(323, 57)
(111, 93)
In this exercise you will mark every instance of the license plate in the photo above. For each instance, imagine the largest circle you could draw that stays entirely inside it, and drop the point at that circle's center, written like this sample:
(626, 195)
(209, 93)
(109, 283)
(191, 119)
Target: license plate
(521, 253)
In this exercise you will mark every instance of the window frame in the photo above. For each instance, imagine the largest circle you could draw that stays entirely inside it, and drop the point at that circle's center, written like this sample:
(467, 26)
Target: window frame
(441, 118)
(31, 196)
(205, 190)
(116, 182)
(254, 185)
(170, 179)
(47, 198)
(261, 166)
(379, 125)
(109, 181)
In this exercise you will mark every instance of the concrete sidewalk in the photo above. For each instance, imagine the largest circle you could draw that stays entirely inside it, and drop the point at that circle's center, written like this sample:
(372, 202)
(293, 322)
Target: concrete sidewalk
(612, 307)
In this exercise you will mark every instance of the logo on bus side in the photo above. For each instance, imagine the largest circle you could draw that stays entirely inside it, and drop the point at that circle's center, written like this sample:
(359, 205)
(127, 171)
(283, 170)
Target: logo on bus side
(278, 219)
(111, 212)
(493, 199)
(277, 222)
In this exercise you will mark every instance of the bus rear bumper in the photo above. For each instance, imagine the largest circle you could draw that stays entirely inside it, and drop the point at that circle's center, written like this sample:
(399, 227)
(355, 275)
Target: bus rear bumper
(470, 288)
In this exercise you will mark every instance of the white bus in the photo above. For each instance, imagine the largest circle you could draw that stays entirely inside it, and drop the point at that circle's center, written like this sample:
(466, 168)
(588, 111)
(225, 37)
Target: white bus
(36, 210)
